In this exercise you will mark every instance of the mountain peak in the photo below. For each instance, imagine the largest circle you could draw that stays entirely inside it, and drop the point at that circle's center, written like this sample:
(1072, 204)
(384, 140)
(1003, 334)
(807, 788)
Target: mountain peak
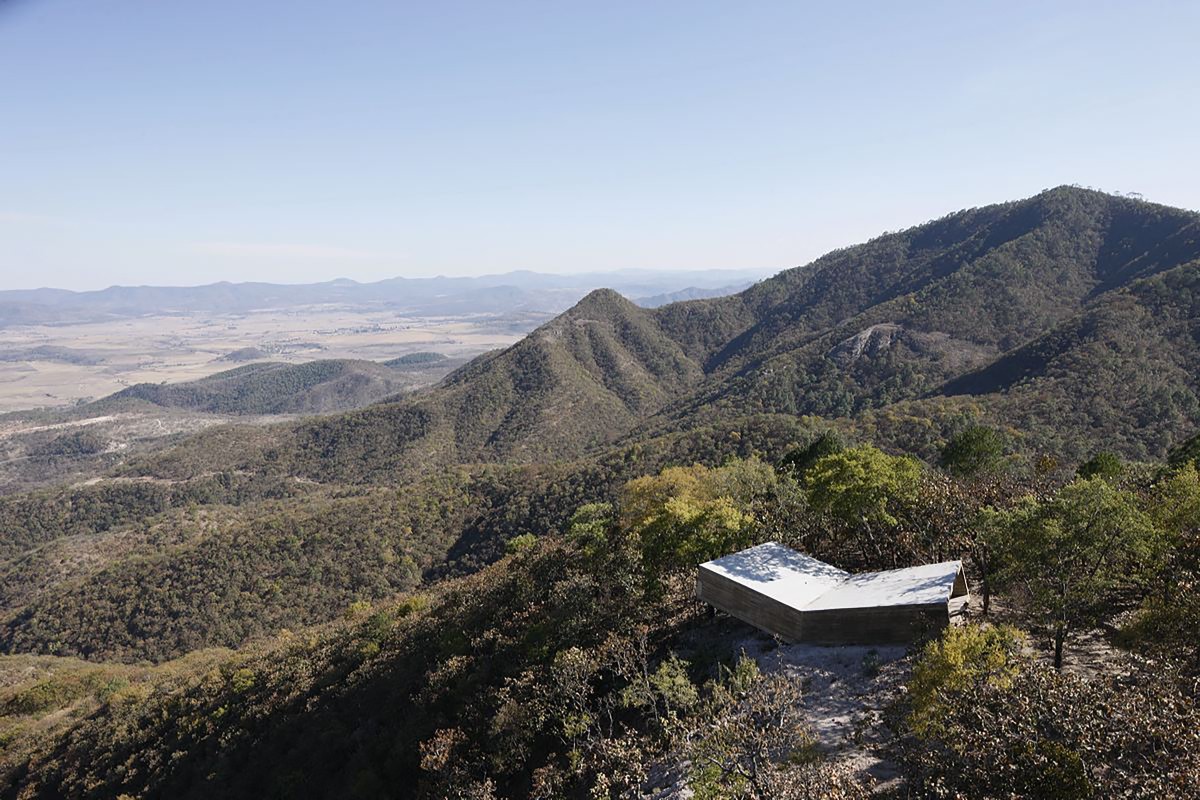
(1073, 192)
(601, 302)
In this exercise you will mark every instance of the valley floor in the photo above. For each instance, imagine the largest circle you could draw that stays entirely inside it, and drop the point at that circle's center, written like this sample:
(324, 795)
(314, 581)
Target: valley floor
(48, 366)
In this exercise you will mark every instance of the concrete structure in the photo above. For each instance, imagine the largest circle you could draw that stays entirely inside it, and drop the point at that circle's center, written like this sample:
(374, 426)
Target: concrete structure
(801, 599)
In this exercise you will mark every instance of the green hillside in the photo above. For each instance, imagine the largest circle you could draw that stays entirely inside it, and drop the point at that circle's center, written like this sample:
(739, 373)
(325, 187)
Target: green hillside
(580, 660)
(133, 570)
(483, 588)
(899, 317)
(276, 388)
(573, 385)
(904, 318)
(417, 360)
(1123, 371)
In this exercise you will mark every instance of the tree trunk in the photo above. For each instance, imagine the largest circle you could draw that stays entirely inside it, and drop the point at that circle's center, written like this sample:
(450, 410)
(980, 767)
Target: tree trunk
(987, 594)
(1059, 636)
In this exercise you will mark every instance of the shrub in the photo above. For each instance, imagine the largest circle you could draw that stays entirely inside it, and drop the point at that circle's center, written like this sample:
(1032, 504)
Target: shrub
(520, 544)
(964, 657)
(1043, 734)
(1102, 465)
(800, 459)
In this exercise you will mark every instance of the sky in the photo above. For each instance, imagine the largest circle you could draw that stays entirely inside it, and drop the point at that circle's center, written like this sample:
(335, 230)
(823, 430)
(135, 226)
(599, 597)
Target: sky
(152, 142)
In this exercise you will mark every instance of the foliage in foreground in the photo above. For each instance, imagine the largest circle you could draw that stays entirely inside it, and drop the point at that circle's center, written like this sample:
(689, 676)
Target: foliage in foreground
(1066, 557)
(572, 665)
(579, 664)
(1000, 726)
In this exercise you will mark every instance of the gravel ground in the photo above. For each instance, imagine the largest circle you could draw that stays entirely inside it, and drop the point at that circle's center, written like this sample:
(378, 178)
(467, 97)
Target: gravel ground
(846, 690)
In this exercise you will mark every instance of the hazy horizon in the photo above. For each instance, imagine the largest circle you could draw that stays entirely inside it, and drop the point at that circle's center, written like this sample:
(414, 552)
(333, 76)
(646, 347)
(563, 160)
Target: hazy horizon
(733, 273)
(182, 144)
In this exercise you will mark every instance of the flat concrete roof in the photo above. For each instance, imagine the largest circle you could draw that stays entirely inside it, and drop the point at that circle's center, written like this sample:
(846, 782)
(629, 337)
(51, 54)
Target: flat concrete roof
(805, 583)
(910, 586)
(778, 572)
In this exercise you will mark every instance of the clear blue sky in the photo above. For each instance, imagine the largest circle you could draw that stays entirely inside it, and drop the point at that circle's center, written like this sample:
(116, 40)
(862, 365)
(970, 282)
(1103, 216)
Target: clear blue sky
(161, 141)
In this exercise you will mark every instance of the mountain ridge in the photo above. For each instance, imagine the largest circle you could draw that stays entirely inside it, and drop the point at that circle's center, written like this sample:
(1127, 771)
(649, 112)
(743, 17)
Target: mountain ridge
(953, 295)
(522, 290)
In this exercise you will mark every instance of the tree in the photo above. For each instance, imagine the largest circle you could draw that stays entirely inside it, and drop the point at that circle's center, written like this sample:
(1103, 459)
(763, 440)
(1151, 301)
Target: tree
(1068, 556)
(947, 516)
(520, 543)
(687, 515)
(865, 489)
(1102, 465)
(973, 451)
(1170, 616)
(963, 657)
(590, 526)
(1041, 733)
(1189, 451)
(751, 743)
(800, 459)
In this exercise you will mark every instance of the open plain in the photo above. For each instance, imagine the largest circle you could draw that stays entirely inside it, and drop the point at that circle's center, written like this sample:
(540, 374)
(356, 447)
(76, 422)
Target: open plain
(52, 366)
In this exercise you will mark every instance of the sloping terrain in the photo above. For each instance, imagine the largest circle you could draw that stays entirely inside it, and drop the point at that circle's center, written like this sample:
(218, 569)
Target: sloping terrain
(897, 317)
(1070, 319)
(601, 394)
(1125, 370)
(134, 569)
(878, 326)
(277, 388)
(577, 383)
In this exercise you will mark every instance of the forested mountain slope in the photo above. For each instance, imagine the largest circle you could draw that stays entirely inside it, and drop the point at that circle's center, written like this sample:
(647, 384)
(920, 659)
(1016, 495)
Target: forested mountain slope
(1070, 320)
(573, 383)
(146, 569)
(577, 383)
(601, 457)
(901, 319)
(899, 316)
(1124, 369)
(276, 388)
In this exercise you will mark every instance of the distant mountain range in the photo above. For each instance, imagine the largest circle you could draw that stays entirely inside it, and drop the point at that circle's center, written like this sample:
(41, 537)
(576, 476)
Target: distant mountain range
(1071, 319)
(521, 291)
(690, 293)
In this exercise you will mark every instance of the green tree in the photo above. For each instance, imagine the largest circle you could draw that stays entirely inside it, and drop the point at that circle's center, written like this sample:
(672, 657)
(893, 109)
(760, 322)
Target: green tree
(798, 461)
(1170, 616)
(962, 658)
(667, 688)
(1104, 465)
(520, 544)
(686, 515)
(866, 490)
(975, 450)
(1067, 557)
(1187, 452)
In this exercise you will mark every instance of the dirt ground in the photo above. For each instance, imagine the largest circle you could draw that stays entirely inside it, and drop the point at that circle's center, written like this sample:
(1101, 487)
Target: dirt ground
(846, 690)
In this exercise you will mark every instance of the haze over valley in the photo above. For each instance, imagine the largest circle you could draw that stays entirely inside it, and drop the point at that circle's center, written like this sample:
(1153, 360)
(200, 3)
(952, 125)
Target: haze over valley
(62, 348)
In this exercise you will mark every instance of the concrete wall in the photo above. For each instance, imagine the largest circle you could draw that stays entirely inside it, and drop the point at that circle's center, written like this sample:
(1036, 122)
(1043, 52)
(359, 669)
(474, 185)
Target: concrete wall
(759, 610)
(892, 625)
